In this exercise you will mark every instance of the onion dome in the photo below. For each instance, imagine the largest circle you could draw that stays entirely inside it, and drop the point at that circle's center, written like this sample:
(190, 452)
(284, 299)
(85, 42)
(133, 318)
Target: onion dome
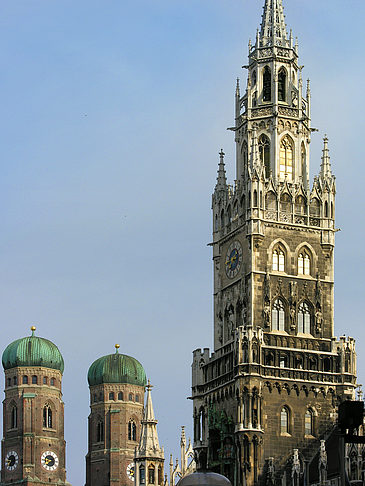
(32, 351)
(116, 368)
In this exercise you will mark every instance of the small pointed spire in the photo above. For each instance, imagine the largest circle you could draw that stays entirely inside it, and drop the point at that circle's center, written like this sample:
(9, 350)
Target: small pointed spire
(273, 27)
(238, 88)
(296, 45)
(257, 38)
(291, 38)
(326, 170)
(308, 88)
(183, 437)
(249, 46)
(221, 178)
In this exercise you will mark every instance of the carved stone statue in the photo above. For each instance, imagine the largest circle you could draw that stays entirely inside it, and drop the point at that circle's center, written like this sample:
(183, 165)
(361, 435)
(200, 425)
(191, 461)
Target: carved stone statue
(295, 473)
(266, 314)
(319, 320)
(270, 477)
(322, 463)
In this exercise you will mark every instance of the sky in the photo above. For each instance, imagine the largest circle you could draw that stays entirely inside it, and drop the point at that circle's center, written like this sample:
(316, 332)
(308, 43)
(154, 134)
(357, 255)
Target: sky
(112, 116)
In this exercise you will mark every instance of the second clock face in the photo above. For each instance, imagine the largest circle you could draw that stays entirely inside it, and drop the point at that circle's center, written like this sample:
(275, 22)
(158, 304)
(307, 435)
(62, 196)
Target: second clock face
(11, 460)
(49, 460)
(130, 471)
(233, 259)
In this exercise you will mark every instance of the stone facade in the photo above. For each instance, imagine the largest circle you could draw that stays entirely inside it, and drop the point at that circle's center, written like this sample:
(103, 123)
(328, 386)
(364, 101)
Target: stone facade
(277, 373)
(33, 447)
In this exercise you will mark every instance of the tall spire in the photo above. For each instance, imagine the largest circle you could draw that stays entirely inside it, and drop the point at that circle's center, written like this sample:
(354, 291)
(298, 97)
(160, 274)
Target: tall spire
(273, 28)
(149, 445)
(326, 170)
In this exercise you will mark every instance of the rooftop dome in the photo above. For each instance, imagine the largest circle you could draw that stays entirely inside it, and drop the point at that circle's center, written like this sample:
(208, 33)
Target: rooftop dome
(116, 368)
(32, 351)
(204, 478)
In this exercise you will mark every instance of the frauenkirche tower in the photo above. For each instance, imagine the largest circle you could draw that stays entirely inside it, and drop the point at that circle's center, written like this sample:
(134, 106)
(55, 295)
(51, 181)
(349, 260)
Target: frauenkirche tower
(269, 392)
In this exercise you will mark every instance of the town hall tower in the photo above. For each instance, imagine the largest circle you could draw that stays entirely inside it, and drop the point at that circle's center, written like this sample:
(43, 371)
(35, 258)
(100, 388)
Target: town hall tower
(268, 394)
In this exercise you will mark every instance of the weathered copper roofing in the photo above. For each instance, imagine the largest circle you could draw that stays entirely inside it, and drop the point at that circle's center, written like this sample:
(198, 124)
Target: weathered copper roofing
(116, 368)
(32, 351)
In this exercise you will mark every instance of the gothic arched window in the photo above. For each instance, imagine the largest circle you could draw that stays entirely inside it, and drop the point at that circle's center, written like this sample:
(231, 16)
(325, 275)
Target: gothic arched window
(244, 151)
(284, 421)
(25, 380)
(264, 150)
(47, 417)
(300, 207)
(151, 474)
(304, 318)
(160, 475)
(111, 395)
(266, 92)
(286, 159)
(278, 260)
(308, 422)
(142, 476)
(14, 417)
(278, 316)
(120, 396)
(282, 85)
(100, 431)
(304, 263)
(132, 431)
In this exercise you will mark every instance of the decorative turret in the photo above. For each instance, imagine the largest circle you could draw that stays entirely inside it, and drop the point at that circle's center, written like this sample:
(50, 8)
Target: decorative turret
(326, 171)
(149, 456)
(221, 184)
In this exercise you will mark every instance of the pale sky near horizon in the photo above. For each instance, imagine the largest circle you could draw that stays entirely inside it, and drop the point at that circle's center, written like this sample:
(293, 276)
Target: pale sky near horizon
(112, 116)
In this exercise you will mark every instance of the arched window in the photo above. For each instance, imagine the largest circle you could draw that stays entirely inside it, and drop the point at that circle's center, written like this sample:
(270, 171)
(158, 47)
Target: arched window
(9, 381)
(304, 263)
(308, 423)
(286, 159)
(315, 208)
(278, 316)
(142, 475)
(151, 474)
(15, 380)
(120, 396)
(25, 380)
(132, 431)
(284, 421)
(304, 318)
(111, 395)
(244, 152)
(266, 79)
(100, 431)
(300, 208)
(326, 209)
(137, 398)
(47, 417)
(130, 397)
(253, 78)
(34, 380)
(282, 85)
(53, 381)
(45, 380)
(254, 199)
(278, 260)
(14, 417)
(222, 219)
(264, 150)
(160, 475)
(254, 100)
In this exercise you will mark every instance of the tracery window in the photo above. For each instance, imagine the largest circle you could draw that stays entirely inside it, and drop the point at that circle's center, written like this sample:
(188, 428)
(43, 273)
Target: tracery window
(278, 260)
(304, 263)
(100, 431)
(14, 417)
(266, 93)
(282, 85)
(264, 150)
(132, 431)
(286, 159)
(278, 316)
(304, 318)
(308, 422)
(284, 421)
(47, 417)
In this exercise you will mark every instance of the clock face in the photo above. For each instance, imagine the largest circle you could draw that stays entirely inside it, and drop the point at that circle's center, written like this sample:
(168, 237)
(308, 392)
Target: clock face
(49, 461)
(130, 471)
(11, 460)
(233, 259)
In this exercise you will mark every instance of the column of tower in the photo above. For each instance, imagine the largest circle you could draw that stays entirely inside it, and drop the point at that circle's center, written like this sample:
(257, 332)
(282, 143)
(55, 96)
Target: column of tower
(117, 384)
(277, 372)
(33, 445)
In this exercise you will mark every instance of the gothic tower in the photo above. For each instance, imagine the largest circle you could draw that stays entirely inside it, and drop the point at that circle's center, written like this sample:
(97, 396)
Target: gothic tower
(117, 383)
(149, 456)
(33, 447)
(277, 372)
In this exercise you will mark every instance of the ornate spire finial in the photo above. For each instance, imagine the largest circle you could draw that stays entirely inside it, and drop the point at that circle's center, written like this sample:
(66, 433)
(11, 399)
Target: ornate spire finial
(273, 27)
(117, 346)
(33, 329)
(221, 178)
(326, 170)
(149, 386)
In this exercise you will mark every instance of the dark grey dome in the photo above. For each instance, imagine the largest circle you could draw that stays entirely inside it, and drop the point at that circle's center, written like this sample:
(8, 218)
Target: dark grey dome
(200, 478)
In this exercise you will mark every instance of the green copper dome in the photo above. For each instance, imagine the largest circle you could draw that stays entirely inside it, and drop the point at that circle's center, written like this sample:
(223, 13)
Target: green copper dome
(116, 368)
(32, 351)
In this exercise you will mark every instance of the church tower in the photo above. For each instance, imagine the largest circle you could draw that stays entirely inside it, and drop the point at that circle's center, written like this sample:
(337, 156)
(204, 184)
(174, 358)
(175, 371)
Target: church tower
(33, 447)
(277, 373)
(149, 456)
(117, 383)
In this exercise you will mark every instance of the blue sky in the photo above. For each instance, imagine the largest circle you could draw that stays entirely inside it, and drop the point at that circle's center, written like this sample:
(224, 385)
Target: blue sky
(112, 116)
